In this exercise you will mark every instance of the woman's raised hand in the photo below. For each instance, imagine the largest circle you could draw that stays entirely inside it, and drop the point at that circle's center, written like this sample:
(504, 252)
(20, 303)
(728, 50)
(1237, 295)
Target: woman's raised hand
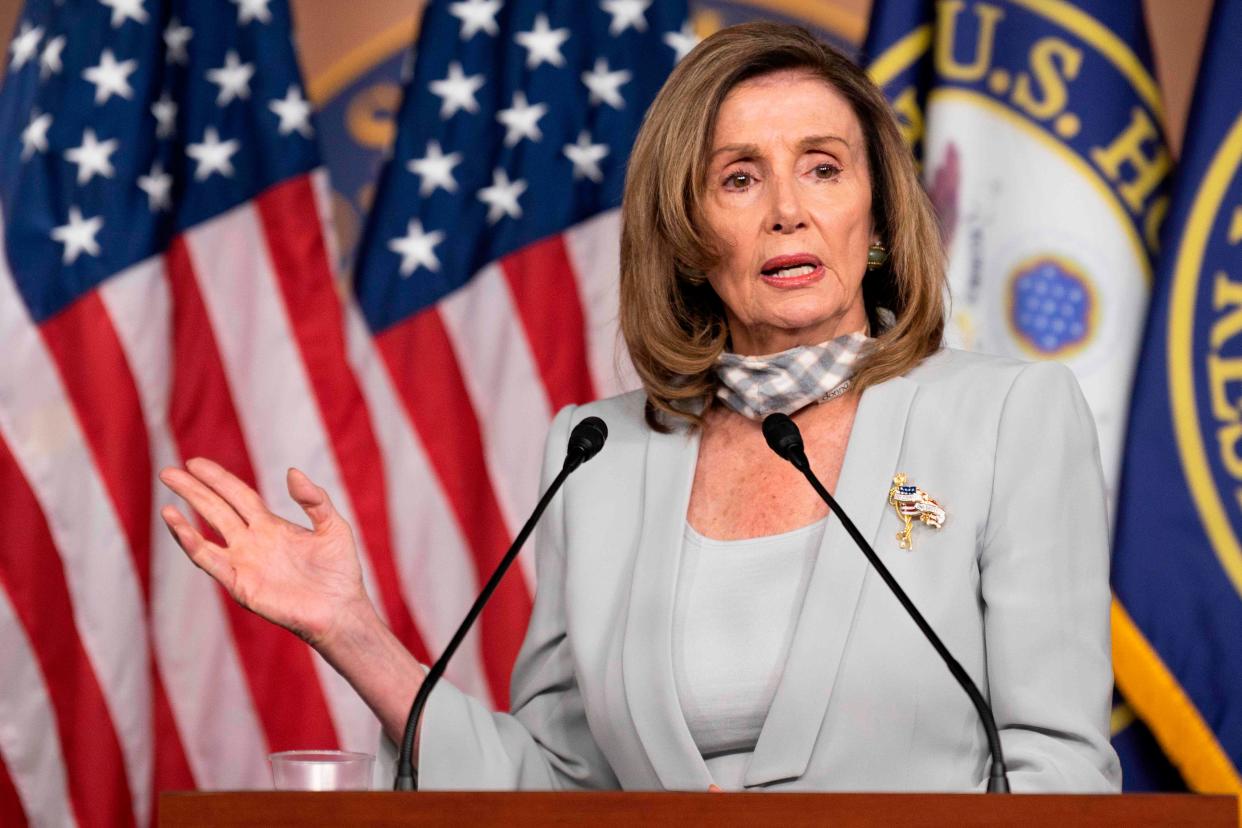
(305, 580)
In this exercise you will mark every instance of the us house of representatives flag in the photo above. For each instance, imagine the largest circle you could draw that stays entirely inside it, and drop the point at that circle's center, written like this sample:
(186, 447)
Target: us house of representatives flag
(1177, 565)
(1038, 126)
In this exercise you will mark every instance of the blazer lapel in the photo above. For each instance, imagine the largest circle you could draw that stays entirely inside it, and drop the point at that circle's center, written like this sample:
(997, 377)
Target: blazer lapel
(647, 654)
(823, 627)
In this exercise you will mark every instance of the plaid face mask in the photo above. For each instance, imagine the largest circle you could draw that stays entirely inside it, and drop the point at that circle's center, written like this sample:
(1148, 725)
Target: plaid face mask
(756, 386)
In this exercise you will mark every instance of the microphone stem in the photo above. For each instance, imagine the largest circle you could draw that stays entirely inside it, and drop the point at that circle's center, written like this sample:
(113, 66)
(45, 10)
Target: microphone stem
(407, 776)
(998, 781)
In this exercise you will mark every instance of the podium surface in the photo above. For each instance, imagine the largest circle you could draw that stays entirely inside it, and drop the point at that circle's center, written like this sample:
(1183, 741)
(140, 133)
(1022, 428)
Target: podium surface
(780, 810)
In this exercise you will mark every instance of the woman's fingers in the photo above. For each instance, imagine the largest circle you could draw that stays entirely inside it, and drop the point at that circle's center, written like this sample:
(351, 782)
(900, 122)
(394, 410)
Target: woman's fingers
(205, 554)
(313, 500)
(205, 501)
(243, 499)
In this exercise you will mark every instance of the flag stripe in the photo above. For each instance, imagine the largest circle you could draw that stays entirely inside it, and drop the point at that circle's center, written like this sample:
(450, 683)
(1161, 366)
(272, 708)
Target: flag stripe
(287, 696)
(593, 249)
(424, 369)
(545, 295)
(33, 750)
(34, 579)
(11, 811)
(295, 241)
(190, 634)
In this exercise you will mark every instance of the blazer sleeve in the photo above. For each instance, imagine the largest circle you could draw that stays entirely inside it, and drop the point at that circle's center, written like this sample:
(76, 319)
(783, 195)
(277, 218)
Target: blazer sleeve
(545, 742)
(1044, 576)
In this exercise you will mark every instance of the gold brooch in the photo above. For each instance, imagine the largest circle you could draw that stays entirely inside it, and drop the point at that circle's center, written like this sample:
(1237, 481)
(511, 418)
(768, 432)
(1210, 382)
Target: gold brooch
(912, 503)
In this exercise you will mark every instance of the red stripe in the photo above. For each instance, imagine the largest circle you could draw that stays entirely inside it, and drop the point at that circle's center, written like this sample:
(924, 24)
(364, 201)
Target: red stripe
(286, 691)
(300, 260)
(428, 379)
(32, 574)
(545, 293)
(96, 375)
(11, 811)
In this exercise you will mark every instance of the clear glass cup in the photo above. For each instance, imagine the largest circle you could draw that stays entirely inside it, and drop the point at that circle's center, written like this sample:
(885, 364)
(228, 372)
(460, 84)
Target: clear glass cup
(321, 770)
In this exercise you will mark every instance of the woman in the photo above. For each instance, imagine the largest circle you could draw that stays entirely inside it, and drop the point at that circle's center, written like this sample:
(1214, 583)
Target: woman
(700, 619)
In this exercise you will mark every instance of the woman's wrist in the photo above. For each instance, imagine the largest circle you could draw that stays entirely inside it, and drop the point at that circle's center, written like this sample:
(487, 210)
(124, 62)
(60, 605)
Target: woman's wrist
(350, 628)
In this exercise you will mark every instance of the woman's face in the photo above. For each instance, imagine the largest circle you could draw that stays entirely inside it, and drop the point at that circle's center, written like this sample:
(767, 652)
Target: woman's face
(789, 196)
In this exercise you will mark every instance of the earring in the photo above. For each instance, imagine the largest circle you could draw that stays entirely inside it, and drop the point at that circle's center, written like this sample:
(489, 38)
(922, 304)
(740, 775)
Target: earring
(877, 256)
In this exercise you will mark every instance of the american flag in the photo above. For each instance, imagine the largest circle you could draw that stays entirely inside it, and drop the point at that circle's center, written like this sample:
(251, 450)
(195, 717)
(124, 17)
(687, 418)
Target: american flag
(167, 292)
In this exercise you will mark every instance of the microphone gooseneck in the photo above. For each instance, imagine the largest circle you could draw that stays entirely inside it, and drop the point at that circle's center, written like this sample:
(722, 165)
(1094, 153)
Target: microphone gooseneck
(585, 441)
(785, 439)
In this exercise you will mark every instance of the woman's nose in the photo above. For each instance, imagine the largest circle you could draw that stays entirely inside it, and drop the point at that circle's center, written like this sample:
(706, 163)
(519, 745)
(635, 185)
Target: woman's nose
(786, 213)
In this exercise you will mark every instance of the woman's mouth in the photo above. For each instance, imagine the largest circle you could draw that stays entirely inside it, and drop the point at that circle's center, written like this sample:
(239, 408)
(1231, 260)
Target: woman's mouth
(793, 271)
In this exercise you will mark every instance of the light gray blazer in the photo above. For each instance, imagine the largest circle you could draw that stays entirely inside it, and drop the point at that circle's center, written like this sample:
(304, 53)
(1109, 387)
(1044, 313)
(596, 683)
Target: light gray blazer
(1016, 583)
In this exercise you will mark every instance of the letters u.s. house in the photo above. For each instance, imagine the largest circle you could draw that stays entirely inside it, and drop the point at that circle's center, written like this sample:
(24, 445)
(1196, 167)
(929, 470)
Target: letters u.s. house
(1038, 127)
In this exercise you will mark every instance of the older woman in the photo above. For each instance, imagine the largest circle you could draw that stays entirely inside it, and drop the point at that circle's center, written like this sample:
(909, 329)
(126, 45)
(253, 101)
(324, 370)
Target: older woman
(700, 618)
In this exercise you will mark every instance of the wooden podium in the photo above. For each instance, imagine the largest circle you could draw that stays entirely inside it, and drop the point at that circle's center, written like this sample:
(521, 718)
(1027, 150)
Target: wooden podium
(783, 810)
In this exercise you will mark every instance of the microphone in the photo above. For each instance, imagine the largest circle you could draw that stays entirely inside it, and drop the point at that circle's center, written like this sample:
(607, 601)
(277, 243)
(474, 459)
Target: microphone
(785, 439)
(585, 441)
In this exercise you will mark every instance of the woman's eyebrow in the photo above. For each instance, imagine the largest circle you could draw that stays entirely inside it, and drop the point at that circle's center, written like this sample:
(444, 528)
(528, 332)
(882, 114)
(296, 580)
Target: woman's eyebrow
(815, 141)
(740, 149)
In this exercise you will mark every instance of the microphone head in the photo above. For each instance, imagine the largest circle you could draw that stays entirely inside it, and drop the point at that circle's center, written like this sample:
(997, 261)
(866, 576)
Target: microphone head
(783, 436)
(587, 438)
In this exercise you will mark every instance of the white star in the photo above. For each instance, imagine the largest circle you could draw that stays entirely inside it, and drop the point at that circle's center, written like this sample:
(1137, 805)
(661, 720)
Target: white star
(294, 112)
(248, 10)
(165, 112)
(49, 60)
(476, 16)
(25, 44)
(176, 37)
(682, 42)
(626, 13)
(605, 85)
(435, 169)
(111, 78)
(521, 120)
(78, 235)
(34, 136)
(586, 156)
(501, 197)
(213, 155)
(93, 157)
(233, 78)
(457, 91)
(158, 187)
(542, 43)
(123, 10)
(417, 249)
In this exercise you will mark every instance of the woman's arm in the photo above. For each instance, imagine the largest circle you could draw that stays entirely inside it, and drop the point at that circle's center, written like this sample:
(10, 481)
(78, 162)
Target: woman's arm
(1044, 573)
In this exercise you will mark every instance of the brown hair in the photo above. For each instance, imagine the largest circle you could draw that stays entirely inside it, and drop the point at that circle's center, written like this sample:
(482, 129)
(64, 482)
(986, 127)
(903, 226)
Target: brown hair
(673, 322)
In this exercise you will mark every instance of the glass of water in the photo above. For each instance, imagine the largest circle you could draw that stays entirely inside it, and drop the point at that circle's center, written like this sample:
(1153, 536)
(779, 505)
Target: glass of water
(321, 770)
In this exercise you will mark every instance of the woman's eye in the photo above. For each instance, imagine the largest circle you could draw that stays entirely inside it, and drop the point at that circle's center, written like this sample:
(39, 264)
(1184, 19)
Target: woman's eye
(738, 180)
(826, 171)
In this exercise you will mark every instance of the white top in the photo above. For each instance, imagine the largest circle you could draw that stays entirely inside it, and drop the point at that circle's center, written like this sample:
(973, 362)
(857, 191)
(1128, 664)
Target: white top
(733, 620)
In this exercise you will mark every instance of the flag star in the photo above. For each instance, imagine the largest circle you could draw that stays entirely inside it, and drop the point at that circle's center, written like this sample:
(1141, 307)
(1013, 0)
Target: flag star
(176, 37)
(501, 197)
(213, 155)
(165, 112)
(49, 60)
(248, 10)
(93, 157)
(542, 43)
(586, 156)
(25, 44)
(521, 120)
(233, 78)
(605, 85)
(294, 112)
(417, 248)
(435, 169)
(111, 78)
(123, 10)
(476, 16)
(682, 42)
(34, 136)
(78, 235)
(158, 186)
(457, 91)
(626, 13)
